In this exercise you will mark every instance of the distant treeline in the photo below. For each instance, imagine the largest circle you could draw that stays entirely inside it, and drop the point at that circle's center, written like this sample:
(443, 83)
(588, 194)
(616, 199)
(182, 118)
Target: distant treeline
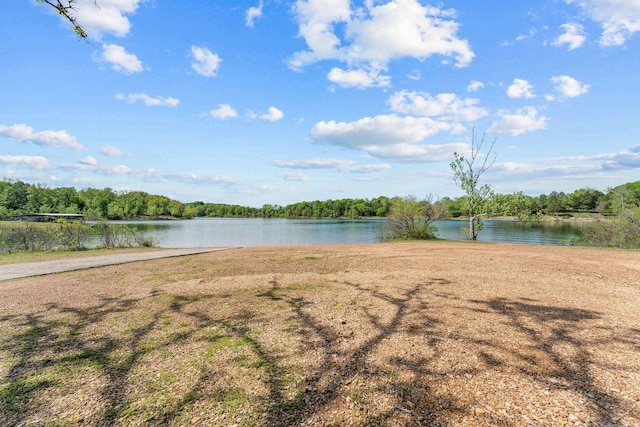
(18, 197)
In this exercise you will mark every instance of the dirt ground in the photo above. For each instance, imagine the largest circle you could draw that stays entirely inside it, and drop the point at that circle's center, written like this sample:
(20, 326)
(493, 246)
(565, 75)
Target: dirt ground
(437, 333)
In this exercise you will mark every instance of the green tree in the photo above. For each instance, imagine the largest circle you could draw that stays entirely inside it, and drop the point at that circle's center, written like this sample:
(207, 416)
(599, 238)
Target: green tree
(66, 200)
(158, 206)
(15, 196)
(623, 198)
(380, 206)
(556, 202)
(467, 172)
(38, 196)
(523, 207)
(190, 211)
(584, 199)
(176, 208)
(134, 203)
(96, 202)
(196, 209)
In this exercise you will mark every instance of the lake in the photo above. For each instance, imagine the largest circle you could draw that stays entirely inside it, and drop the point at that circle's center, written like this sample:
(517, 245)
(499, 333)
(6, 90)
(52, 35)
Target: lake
(234, 232)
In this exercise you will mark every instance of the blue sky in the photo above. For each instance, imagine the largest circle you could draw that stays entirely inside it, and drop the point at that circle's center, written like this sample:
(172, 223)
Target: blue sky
(273, 101)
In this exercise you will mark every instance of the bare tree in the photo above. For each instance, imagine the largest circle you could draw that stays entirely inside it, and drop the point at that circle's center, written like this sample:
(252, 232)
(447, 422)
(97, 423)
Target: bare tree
(467, 173)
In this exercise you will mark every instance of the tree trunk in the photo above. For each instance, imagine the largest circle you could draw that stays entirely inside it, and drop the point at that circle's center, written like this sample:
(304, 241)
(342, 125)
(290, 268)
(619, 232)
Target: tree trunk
(472, 227)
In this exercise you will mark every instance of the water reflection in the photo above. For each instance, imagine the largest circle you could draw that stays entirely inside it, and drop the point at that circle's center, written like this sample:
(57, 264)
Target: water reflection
(546, 233)
(233, 232)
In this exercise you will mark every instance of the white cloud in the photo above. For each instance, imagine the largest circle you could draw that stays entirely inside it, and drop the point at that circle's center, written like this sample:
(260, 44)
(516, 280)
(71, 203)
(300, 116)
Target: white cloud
(572, 166)
(358, 78)
(117, 170)
(293, 176)
(474, 85)
(155, 175)
(406, 28)
(444, 105)
(378, 130)
(619, 19)
(376, 34)
(628, 158)
(120, 59)
(224, 111)
(273, 115)
(158, 175)
(31, 162)
(105, 16)
(520, 37)
(523, 120)
(149, 101)
(529, 171)
(49, 138)
(89, 160)
(520, 89)
(253, 13)
(111, 151)
(340, 165)
(316, 19)
(569, 87)
(415, 74)
(573, 36)
(369, 168)
(417, 153)
(388, 137)
(625, 159)
(151, 174)
(532, 32)
(89, 166)
(205, 62)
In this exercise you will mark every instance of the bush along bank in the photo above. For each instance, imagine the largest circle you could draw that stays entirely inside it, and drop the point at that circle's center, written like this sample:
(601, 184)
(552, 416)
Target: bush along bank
(74, 236)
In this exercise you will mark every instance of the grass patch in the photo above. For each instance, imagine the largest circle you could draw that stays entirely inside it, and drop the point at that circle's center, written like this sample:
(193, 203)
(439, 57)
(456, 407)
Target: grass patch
(84, 354)
(16, 396)
(226, 342)
(53, 255)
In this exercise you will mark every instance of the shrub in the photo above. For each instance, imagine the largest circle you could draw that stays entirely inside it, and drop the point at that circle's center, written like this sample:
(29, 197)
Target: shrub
(410, 218)
(622, 231)
(36, 236)
(19, 237)
(121, 236)
(74, 235)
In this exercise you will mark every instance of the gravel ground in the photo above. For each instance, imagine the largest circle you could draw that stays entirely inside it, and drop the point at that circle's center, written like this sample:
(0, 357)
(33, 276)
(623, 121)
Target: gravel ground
(417, 334)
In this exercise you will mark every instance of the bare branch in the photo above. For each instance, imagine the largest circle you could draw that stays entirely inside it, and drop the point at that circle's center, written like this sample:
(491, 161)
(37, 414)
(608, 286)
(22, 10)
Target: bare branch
(66, 12)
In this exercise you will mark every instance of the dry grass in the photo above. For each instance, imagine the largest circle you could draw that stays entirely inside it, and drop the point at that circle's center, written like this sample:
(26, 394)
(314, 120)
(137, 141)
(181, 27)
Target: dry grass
(385, 334)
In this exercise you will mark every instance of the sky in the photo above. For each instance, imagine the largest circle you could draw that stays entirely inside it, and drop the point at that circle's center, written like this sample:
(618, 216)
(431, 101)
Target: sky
(275, 102)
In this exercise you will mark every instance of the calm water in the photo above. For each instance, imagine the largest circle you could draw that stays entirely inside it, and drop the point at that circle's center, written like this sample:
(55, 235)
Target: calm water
(233, 232)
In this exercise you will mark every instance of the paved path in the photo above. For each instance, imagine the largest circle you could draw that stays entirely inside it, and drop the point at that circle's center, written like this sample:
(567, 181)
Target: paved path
(14, 271)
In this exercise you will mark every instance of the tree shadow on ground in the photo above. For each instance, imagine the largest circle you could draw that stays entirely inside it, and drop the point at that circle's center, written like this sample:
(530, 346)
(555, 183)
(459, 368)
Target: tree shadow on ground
(560, 343)
(380, 357)
(340, 365)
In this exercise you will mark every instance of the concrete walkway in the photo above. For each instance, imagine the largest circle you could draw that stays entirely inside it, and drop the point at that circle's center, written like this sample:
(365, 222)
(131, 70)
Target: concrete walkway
(15, 271)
